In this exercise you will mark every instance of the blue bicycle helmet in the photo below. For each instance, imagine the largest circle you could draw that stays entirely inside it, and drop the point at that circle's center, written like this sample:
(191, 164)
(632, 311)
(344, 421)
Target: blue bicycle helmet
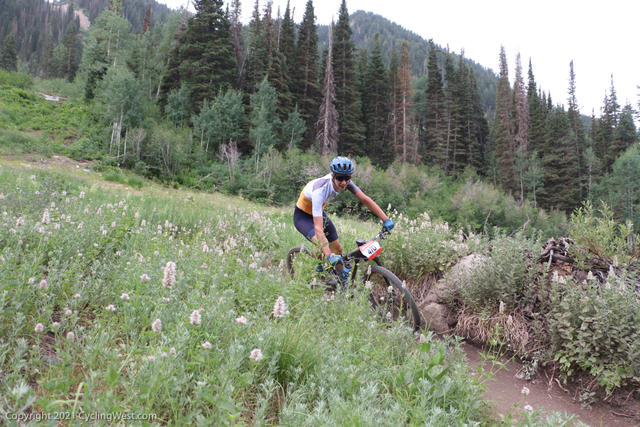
(342, 165)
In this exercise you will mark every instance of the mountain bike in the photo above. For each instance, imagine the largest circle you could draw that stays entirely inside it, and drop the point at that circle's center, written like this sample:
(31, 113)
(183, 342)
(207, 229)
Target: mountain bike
(388, 295)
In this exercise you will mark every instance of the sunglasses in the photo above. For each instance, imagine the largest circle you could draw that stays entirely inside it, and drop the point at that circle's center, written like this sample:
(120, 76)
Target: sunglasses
(343, 177)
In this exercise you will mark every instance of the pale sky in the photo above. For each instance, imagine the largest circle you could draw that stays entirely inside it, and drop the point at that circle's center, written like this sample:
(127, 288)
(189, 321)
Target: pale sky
(601, 37)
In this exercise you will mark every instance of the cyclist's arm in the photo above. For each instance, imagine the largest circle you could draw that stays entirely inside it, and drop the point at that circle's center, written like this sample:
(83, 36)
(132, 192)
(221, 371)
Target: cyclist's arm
(320, 239)
(373, 206)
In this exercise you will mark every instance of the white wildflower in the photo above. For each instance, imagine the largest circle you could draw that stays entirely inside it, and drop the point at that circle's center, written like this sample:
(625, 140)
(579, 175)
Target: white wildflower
(528, 408)
(156, 326)
(206, 345)
(144, 277)
(76, 295)
(71, 336)
(124, 296)
(502, 307)
(172, 351)
(151, 358)
(110, 307)
(241, 320)
(43, 284)
(39, 327)
(169, 278)
(525, 391)
(45, 216)
(279, 308)
(166, 299)
(195, 318)
(19, 221)
(256, 355)
(55, 324)
(205, 248)
(81, 195)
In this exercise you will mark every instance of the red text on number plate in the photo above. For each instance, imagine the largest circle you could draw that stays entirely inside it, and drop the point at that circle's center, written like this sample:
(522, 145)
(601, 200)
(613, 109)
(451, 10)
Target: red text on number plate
(371, 249)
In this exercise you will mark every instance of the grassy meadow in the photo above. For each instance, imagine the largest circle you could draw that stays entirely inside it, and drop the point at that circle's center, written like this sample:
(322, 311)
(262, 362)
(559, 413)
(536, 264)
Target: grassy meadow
(159, 306)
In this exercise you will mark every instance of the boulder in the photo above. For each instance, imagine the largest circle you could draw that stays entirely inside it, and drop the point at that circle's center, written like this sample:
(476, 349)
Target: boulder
(437, 317)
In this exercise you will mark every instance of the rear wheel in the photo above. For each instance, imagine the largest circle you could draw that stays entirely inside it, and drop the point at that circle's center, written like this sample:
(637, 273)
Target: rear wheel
(390, 299)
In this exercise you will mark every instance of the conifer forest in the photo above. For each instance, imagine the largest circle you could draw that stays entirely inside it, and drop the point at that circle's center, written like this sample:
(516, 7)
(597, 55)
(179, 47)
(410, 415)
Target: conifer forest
(197, 98)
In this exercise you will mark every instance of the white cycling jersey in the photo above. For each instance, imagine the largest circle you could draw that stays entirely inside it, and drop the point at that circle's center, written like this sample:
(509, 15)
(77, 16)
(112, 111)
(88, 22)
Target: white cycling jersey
(317, 193)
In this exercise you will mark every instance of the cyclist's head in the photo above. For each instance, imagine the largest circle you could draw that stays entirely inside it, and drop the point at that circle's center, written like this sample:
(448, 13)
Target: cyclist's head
(342, 166)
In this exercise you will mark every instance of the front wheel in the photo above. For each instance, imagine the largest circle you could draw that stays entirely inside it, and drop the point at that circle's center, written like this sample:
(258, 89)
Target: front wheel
(390, 299)
(298, 258)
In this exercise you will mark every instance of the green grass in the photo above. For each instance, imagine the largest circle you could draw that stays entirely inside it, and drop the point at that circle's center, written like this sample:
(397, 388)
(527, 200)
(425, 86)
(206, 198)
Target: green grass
(90, 325)
(324, 363)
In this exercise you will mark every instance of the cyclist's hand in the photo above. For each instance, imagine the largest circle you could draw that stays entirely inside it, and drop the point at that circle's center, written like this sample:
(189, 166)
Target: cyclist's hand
(388, 224)
(334, 259)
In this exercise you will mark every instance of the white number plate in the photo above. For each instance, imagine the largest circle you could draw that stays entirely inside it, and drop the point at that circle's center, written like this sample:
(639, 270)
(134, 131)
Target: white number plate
(371, 249)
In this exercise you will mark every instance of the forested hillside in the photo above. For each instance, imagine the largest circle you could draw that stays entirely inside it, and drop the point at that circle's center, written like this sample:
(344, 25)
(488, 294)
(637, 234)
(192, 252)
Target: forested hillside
(365, 27)
(205, 100)
(46, 35)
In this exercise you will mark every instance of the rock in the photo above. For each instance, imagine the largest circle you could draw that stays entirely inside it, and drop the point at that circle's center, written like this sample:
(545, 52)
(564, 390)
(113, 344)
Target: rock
(437, 317)
(458, 272)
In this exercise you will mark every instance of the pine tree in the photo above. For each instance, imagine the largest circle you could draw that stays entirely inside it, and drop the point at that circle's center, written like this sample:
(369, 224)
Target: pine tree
(377, 108)
(608, 125)
(207, 61)
(453, 101)
(502, 143)
(393, 86)
(521, 124)
(257, 59)
(536, 117)
(404, 137)
(306, 85)
(73, 50)
(560, 177)
(435, 125)
(345, 78)
(146, 24)
(328, 130)
(480, 132)
(236, 40)
(276, 64)
(576, 126)
(172, 76)
(625, 133)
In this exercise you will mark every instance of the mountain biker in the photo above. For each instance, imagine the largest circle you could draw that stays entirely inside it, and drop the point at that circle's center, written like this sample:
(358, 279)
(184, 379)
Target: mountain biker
(311, 220)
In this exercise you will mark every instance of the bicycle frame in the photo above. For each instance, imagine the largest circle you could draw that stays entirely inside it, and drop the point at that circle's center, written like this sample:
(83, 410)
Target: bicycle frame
(357, 256)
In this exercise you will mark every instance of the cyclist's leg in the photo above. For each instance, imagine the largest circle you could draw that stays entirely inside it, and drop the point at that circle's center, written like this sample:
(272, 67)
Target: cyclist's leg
(303, 223)
(332, 236)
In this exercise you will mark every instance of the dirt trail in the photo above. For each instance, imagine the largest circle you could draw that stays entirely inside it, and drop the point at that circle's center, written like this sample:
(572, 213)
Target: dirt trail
(504, 389)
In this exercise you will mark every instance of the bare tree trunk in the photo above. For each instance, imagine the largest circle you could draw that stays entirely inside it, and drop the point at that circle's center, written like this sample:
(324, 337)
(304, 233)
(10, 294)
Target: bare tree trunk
(124, 153)
(119, 135)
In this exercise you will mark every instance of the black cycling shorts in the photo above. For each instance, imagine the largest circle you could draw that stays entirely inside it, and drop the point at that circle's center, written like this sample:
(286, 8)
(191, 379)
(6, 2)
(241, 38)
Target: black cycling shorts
(304, 224)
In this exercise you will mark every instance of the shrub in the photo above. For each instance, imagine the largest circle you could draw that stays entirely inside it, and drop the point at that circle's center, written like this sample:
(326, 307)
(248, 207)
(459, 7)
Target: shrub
(594, 327)
(599, 239)
(17, 79)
